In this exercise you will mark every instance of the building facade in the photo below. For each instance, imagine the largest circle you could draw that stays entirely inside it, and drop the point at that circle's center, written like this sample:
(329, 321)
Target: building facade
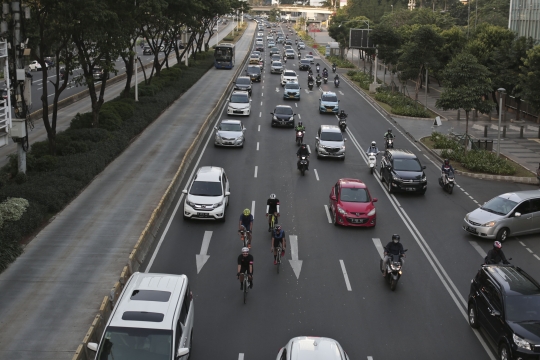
(525, 18)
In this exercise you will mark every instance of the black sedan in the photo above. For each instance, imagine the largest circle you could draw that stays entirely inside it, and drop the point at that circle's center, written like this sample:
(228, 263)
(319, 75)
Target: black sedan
(243, 83)
(283, 115)
(304, 64)
(254, 72)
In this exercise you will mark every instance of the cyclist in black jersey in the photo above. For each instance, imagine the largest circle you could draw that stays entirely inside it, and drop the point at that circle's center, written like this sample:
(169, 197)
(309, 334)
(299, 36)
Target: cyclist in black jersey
(278, 240)
(272, 207)
(245, 262)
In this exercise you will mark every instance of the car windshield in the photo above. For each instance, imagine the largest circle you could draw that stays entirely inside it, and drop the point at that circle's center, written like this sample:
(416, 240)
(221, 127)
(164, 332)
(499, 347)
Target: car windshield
(205, 188)
(243, 81)
(283, 111)
(329, 98)
(254, 56)
(523, 308)
(292, 86)
(276, 63)
(121, 343)
(230, 127)
(289, 73)
(499, 206)
(407, 165)
(275, 49)
(239, 98)
(354, 195)
(253, 70)
(305, 62)
(331, 136)
(289, 51)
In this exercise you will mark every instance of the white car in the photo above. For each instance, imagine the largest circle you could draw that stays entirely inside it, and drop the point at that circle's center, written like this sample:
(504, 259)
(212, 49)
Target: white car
(308, 347)
(290, 53)
(301, 46)
(230, 133)
(35, 66)
(276, 68)
(270, 37)
(310, 58)
(271, 44)
(260, 33)
(288, 76)
(239, 103)
(208, 194)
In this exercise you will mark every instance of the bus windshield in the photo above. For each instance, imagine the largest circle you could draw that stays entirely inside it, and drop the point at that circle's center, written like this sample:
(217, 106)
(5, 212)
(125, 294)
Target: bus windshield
(223, 54)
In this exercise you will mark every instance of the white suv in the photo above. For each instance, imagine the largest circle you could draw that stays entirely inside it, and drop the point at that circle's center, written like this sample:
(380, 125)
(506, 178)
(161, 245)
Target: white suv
(239, 103)
(153, 319)
(288, 76)
(329, 142)
(310, 347)
(208, 194)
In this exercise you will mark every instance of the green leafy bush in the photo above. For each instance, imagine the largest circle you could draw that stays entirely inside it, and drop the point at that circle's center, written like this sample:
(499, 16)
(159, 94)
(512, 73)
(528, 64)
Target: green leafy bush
(110, 120)
(361, 78)
(81, 121)
(401, 104)
(12, 209)
(342, 63)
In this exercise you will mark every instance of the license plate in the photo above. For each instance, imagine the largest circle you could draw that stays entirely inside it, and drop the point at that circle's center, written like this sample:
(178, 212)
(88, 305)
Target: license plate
(410, 189)
(471, 230)
(291, 96)
(238, 112)
(203, 214)
(328, 110)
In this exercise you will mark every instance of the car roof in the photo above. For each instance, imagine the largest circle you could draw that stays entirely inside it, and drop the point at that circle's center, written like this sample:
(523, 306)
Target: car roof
(519, 196)
(150, 282)
(402, 154)
(352, 183)
(208, 173)
(329, 93)
(284, 106)
(229, 121)
(289, 71)
(276, 61)
(330, 128)
(314, 348)
(513, 280)
(240, 92)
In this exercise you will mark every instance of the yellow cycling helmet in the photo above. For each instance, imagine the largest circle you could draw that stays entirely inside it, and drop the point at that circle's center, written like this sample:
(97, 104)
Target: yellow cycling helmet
(247, 212)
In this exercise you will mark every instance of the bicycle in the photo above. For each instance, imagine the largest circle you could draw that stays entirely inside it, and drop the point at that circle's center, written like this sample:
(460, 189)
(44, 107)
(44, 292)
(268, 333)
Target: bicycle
(244, 236)
(273, 220)
(278, 258)
(246, 285)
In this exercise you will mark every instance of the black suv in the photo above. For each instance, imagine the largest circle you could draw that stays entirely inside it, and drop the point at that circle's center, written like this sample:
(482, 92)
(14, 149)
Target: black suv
(401, 170)
(254, 72)
(243, 83)
(505, 301)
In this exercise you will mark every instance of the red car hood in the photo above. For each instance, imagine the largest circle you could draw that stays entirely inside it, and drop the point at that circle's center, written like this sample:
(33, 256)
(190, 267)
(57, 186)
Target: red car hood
(357, 207)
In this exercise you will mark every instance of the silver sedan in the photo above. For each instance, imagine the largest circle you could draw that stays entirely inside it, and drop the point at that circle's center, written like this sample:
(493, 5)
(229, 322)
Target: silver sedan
(230, 133)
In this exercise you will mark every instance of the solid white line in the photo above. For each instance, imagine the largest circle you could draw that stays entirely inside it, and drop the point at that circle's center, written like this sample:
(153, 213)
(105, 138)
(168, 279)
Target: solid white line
(536, 256)
(529, 250)
(158, 246)
(257, 146)
(256, 168)
(478, 248)
(296, 104)
(253, 209)
(378, 245)
(370, 358)
(262, 94)
(345, 275)
(521, 242)
(241, 356)
(328, 214)
(259, 128)
(316, 174)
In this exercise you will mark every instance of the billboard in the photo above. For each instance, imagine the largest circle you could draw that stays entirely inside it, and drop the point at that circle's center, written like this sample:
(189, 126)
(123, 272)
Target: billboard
(359, 39)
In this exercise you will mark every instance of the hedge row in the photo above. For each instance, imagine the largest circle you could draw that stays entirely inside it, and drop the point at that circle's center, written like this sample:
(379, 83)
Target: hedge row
(51, 182)
(341, 63)
(401, 104)
(481, 161)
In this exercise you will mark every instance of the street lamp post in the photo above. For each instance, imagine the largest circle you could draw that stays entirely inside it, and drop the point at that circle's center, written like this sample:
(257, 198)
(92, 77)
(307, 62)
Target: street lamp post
(392, 8)
(501, 94)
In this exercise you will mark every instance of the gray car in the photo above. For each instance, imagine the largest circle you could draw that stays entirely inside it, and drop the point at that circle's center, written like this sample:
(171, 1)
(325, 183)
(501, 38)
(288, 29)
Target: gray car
(230, 133)
(329, 142)
(516, 213)
(276, 68)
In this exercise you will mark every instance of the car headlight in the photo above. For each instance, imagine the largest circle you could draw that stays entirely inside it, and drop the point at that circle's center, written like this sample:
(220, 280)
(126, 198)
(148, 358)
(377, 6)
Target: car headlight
(217, 205)
(521, 343)
(489, 224)
(396, 178)
(341, 211)
(372, 212)
(343, 147)
(190, 203)
(424, 178)
(275, 118)
(291, 118)
(218, 137)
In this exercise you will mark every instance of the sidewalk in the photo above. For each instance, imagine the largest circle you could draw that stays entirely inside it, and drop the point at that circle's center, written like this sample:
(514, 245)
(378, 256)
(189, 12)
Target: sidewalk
(524, 151)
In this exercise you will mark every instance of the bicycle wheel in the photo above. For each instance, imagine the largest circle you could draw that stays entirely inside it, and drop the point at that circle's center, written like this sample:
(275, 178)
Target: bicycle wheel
(245, 288)
(278, 259)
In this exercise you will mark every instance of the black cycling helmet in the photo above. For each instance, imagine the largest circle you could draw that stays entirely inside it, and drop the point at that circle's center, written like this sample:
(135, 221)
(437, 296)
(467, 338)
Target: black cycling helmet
(389, 130)
(446, 162)
(303, 145)
(299, 123)
(395, 237)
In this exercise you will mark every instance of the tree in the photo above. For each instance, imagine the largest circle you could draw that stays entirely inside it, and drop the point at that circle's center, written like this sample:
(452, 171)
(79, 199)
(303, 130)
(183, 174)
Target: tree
(419, 52)
(530, 78)
(466, 83)
(273, 14)
(388, 42)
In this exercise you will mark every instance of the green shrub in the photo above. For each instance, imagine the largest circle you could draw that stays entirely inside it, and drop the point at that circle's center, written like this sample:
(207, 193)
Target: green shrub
(401, 104)
(45, 163)
(110, 120)
(342, 63)
(81, 121)
(91, 135)
(12, 209)
(122, 109)
(39, 149)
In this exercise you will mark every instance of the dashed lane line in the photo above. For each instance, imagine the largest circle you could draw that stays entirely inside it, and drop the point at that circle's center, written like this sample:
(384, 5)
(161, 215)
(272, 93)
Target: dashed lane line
(536, 256)
(328, 214)
(316, 174)
(257, 146)
(253, 209)
(259, 129)
(256, 169)
(345, 275)
(529, 250)
(477, 247)
(260, 113)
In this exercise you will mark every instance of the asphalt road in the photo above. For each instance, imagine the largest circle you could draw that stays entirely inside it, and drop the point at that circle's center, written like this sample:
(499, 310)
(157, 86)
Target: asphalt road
(339, 292)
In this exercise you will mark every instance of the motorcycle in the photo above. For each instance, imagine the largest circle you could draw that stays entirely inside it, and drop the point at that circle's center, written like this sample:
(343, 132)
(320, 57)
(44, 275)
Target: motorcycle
(447, 185)
(310, 85)
(318, 82)
(303, 165)
(285, 60)
(325, 79)
(372, 159)
(486, 262)
(389, 143)
(333, 68)
(342, 124)
(318, 68)
(336, 82)
(393, 270)
(299, 137)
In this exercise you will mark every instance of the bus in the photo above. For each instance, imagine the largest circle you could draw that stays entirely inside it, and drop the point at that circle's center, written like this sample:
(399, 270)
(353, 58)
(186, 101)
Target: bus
(224, 56)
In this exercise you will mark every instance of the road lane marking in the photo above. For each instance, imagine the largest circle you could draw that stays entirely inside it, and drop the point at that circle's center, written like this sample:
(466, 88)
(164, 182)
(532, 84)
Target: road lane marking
(316, 174)
(253, 209)
(277, 89)
(299, 117)
(379, 246)
(370, 358)
(341, 92)
(262, 94)
(477, 247)
(263, 87)
(260, 113)
(328, 214)
(529, 250)
(308, 149)
(259, 128)
(521, 242)
(466, 193)
(296, 104)
(261, 103)
(345, 275)
(257, 146)
(256, 168)
(536, 256)
(202, 258)
(241, 356)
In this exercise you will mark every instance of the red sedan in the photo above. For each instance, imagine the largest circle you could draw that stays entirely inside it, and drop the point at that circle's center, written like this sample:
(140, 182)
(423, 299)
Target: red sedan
(351, 204)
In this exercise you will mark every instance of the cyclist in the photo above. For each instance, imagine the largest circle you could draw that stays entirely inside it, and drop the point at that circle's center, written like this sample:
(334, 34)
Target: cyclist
(272, 207)
(246, 220)
(245, 262)
(278, 240)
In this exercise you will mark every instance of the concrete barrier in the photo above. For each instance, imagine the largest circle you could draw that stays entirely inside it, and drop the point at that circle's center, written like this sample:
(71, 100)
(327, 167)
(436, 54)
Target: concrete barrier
(148, 235)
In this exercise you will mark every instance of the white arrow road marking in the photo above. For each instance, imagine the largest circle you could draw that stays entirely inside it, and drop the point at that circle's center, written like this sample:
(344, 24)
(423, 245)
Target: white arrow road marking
(277, 89)
(202, 258)
(295, 263)
(328, 214)
(378, 245)
(345, 275)
(341, 92)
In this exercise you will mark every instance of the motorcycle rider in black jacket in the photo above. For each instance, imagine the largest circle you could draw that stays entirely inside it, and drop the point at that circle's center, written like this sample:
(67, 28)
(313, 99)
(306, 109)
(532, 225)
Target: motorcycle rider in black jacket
(394, 247)
(302, 151)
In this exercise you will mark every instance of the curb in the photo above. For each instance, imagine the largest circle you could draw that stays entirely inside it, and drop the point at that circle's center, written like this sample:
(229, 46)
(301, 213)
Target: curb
(150, 232)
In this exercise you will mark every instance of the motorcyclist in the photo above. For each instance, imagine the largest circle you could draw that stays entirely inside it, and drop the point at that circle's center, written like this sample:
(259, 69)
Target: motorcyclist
(334, 66)
(318, 79)
(303, 151)
(394, 247)
(342, 114)
(372, 148)
(446, 168)
(496, 255)
(310, 78)
(317, 66)
(389, 135)
(284, 58)
(300, 127)
(325, 72)
(310, 71)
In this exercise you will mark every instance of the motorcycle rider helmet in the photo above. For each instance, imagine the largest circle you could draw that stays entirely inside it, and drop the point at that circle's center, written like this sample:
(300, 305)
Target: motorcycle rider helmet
(446, 162)
(299, 123)
(245, 250)
(389, 131)
(395, 238)
(247, 212)
(373, 143)
(272, 196)
(342, 112)
(497, 245)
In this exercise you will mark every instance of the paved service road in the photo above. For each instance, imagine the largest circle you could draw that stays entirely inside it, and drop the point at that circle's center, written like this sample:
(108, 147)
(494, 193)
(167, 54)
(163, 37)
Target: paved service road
(340, 292)
(50, 295)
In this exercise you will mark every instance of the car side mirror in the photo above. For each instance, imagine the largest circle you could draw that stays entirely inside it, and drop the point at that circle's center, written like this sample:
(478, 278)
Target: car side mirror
(424, 167)
(184, 191)
(252, 100)
(227, 193)
(215, 127)
(375, 200)
(316, 138)
(181, 352)
(517, 214)
(92, 346)
(332, 197)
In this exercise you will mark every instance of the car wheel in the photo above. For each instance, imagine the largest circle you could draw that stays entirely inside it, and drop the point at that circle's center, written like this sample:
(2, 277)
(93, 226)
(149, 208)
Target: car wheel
(381, 175)
(502, 235)
(473, 317)
(389, 186)
(504, 352)
(224, 216)
(334, 219)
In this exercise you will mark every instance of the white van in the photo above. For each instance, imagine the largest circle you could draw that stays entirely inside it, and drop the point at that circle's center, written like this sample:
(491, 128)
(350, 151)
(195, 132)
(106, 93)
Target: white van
(153, 319)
